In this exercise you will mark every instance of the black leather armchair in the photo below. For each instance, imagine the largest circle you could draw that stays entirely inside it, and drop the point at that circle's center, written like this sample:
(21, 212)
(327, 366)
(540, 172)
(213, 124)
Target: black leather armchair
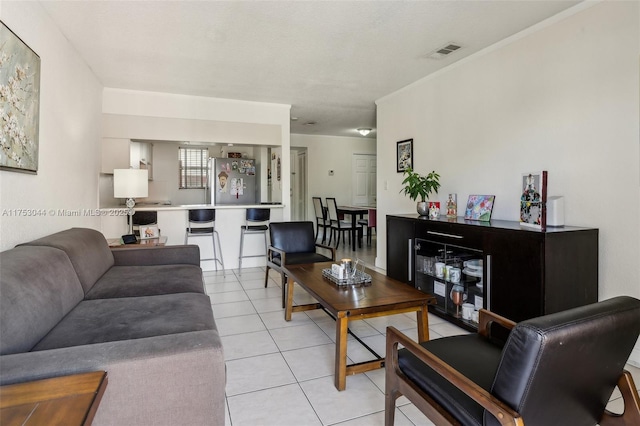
(293, 243)
(558, 369)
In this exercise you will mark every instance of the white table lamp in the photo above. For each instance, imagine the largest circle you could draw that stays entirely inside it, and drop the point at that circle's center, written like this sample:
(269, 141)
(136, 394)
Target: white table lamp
(130, 184)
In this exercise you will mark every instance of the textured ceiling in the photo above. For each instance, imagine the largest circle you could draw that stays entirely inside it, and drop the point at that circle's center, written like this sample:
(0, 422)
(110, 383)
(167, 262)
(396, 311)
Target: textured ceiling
(329, 59)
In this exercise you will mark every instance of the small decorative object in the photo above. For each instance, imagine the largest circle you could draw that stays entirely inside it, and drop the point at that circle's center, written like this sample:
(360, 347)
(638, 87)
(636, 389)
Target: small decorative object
(458, 297)
(147, 232)
(479, 207)
(434, 209)
(417, 186)
(19, 103)
(533, 200)
(452, 205)
(404, 154)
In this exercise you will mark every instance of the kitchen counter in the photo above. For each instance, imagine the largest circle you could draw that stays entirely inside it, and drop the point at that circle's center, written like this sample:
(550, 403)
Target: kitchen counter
(172, 222)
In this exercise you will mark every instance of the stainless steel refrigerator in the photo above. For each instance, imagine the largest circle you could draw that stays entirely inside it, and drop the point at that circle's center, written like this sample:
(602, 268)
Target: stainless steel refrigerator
(231, 181)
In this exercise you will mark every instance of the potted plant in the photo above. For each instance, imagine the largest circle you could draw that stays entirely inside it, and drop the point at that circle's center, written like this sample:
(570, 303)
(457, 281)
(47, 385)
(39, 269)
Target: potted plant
(418, 186)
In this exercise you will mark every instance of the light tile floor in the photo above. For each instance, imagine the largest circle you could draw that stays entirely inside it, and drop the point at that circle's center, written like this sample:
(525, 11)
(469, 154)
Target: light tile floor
(281, 373)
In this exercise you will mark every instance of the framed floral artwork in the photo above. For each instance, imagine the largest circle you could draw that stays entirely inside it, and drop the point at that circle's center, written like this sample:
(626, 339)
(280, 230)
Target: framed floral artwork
(479, 207)
(404, 155)
(19, 103)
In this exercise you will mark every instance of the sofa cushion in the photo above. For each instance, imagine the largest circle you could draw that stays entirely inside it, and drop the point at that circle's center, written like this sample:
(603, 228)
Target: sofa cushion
(87, 249)
(109, 320)
(38, 287)
(135, 281)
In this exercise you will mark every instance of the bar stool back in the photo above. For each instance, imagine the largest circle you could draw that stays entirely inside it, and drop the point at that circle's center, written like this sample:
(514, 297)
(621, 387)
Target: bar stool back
(200, 218)
(256, 222)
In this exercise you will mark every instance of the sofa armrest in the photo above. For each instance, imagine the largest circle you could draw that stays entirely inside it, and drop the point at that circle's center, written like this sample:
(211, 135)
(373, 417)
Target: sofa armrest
(163, 255)
(171, 379)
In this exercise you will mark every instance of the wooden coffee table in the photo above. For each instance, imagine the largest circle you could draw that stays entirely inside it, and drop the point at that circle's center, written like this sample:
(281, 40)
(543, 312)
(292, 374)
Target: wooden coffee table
(384, 296)
(67, 400)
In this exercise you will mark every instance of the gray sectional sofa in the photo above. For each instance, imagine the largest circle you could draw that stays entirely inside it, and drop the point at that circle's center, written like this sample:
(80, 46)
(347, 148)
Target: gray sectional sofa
(70, 304)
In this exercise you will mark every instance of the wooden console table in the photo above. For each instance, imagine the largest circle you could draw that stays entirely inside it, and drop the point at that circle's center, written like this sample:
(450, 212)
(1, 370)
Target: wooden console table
(68, 400)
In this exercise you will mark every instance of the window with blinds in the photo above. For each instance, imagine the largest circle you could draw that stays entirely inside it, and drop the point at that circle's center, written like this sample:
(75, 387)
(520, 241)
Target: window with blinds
(193, 167)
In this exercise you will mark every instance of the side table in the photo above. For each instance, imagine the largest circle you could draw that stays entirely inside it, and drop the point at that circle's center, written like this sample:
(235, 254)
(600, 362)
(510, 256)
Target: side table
(67, 400)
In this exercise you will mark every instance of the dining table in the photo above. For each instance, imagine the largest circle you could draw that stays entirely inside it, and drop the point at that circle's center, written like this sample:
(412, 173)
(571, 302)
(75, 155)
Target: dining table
(354, 212)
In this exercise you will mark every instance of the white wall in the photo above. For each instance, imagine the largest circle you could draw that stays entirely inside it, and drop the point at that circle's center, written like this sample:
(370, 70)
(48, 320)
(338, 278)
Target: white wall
(563, 98)
(69, 142)
(326, 153)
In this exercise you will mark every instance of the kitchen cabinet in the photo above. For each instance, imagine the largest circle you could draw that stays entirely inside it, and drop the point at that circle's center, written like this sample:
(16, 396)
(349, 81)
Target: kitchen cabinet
(115, 154)
(525, 273)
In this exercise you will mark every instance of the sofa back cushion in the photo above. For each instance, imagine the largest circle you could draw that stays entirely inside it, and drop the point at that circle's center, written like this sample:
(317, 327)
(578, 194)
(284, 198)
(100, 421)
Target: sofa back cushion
(87, 249)
(38, 287)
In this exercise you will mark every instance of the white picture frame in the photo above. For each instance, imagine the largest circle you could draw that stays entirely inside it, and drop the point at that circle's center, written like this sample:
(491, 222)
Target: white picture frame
(148, 232)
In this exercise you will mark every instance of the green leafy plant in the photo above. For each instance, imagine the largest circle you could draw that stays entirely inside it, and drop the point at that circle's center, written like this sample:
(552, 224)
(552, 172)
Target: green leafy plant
(418, 186)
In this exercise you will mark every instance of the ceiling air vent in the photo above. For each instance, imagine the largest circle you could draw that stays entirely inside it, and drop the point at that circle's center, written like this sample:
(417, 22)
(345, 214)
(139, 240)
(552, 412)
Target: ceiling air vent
(443, 51)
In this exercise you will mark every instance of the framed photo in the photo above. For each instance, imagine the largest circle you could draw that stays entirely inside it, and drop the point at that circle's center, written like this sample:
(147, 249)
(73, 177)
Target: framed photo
(147, 232)
(479, 207)
(19, 103)
(404, 154)
(533, 200)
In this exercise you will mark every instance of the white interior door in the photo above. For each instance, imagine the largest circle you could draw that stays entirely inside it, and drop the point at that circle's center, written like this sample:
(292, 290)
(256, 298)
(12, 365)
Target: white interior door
(363, 181)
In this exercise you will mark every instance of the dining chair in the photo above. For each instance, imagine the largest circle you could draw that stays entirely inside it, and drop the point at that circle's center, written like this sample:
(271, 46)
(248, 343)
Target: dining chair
(321, 218)
(293, 243)
(338, 226)
(555, 369)
(369, 223)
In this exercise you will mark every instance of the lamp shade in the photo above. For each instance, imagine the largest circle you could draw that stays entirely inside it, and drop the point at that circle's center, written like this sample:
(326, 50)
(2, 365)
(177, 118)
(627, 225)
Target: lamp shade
(130, 183)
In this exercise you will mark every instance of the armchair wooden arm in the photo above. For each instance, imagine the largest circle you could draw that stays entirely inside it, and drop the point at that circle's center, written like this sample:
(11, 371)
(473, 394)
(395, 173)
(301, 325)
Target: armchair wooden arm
(487, 318)
(327, 247)
(631, 414)
(504, 414)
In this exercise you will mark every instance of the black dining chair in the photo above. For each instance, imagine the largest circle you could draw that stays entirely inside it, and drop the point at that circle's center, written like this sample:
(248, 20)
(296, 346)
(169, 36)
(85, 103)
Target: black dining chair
(338, 226)
(293, 243)
(321, 218)
(370, 223)
(557, 369)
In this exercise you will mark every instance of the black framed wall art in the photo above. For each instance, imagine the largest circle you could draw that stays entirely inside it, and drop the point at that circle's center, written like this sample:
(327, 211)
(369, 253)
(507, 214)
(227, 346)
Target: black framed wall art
(404, 155)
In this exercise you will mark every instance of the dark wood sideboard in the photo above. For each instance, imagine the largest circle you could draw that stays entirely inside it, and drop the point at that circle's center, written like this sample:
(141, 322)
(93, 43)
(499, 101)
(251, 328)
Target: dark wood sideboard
(526, 273)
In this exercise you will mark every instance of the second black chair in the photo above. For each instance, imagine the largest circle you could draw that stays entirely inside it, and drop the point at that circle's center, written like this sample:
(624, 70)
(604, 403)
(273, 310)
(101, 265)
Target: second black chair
(293, 243)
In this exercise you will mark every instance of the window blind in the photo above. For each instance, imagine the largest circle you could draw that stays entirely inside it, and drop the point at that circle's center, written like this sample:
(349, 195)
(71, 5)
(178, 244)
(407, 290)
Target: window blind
(192, 167)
